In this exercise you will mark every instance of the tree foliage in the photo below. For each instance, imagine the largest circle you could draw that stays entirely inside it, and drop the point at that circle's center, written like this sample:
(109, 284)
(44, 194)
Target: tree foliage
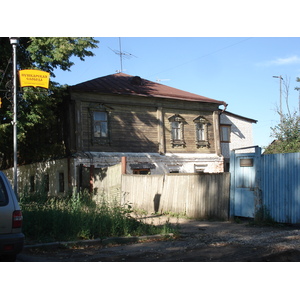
(40, 119)
(286, 134)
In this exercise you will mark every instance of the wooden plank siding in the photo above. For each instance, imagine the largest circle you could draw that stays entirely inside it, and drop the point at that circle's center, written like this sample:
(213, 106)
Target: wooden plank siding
(139, 124)
(189, 131)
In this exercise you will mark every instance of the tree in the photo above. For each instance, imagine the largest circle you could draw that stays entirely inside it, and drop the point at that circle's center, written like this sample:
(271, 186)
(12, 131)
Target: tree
(40, 130)
(286, 134)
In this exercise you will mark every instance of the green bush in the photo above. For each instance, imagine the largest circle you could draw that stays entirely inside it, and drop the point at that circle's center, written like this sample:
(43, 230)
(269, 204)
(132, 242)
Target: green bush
(79, 217)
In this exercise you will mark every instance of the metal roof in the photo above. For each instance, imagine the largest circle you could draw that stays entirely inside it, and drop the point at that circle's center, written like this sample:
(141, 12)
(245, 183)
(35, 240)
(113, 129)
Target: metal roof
(124, 84)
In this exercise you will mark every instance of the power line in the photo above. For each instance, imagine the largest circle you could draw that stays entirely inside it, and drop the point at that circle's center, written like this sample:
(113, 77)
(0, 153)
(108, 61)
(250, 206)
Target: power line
(205, 55)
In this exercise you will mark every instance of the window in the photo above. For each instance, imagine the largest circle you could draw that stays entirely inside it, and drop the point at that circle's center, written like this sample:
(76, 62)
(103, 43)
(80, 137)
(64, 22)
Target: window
(225, 133)
(200, 132)
(32, 186)
(176, 130)
(200, 168)
(201, 126)
(3, 194)
(174, 168)
(46, 183)
(177, 124)
(141, 171)
(61, 182)
(100, 124)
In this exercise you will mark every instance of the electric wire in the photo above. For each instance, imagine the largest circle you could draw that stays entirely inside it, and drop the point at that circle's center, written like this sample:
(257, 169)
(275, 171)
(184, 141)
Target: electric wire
(205, 55)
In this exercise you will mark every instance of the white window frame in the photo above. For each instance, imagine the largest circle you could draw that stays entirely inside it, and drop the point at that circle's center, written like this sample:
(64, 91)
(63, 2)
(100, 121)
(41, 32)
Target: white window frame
(100, 124)
(201, 132)
(177, 130)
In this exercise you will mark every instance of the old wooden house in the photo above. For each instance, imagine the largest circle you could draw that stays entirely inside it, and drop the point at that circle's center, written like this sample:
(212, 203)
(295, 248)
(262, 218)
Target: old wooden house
(148, 127)
(157, 129)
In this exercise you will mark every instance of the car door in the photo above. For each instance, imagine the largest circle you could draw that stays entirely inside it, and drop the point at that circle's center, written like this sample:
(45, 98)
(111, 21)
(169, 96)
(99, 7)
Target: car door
(6, 208)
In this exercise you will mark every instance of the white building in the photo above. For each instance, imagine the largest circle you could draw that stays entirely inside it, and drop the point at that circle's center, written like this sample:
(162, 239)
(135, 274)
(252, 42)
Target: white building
(235, 132)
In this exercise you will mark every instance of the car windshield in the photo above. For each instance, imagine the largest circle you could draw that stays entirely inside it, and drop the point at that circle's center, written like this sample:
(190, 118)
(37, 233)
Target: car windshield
(3, 193)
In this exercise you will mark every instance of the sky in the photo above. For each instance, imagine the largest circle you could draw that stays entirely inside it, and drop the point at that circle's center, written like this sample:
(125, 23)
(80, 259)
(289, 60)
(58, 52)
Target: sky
(237, 70)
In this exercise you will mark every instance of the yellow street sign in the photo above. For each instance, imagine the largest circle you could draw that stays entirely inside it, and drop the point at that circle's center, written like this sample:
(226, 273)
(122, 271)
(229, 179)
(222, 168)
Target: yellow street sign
(34, 78)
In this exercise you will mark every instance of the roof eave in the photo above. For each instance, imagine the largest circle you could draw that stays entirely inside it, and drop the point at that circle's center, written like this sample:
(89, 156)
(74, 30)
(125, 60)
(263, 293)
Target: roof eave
(208, 100)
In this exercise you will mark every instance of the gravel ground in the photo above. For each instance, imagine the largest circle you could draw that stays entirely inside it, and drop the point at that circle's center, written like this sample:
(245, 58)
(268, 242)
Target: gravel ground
(200, 241)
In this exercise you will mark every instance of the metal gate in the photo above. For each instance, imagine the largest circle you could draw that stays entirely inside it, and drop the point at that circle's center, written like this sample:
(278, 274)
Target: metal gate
(245, 182)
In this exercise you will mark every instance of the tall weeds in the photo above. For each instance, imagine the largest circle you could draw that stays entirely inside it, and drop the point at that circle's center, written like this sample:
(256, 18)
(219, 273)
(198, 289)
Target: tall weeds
(77, 216)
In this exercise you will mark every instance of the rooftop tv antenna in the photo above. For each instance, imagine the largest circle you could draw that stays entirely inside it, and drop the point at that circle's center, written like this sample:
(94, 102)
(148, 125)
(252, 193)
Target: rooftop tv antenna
(160, 80)
(122, 54)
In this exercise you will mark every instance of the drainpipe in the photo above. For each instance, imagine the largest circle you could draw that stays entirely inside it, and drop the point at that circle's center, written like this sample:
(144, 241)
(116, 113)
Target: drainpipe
(225, 106)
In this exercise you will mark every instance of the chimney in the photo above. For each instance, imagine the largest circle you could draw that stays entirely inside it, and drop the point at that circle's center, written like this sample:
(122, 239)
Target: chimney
(123, 163)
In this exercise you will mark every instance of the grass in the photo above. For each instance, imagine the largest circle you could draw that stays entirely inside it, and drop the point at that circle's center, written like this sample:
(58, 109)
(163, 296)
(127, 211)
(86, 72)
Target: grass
(79, 217)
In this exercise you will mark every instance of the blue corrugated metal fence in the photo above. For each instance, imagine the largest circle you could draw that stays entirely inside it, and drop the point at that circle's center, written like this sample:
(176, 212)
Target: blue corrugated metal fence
(276, 185)
(280, 186)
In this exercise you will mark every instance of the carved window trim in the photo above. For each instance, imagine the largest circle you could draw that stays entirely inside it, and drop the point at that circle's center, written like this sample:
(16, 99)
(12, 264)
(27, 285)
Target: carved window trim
(201, 132)
(177, 130)
(100, 124)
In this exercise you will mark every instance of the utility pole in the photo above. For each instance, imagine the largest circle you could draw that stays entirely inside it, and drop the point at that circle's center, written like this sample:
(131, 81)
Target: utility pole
(14, 42)
(280, 96)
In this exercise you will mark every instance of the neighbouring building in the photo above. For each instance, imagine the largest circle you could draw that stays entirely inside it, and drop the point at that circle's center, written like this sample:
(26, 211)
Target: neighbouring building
(235, 132)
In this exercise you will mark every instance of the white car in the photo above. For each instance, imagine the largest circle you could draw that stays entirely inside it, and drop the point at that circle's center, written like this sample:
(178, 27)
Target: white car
(11, 236)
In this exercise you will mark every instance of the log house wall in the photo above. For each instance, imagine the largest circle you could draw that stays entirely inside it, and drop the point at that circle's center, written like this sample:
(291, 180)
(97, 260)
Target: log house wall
(135, 124)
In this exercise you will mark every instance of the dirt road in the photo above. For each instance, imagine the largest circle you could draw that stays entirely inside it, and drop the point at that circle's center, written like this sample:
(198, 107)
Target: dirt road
(198, 241)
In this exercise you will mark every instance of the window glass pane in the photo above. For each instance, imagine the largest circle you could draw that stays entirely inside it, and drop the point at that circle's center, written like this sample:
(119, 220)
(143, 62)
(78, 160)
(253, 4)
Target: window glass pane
(141, 171)
(32, 187)
(3, 194)
(61, 182)
(100, 124)
(46, 183)
(225, 133)
(176, 131)
(97, 130)
(200, 132)
(100, 116)
(104, 129)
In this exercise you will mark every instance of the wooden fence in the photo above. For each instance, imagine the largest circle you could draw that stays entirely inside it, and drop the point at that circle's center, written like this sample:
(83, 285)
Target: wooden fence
(196, 195)
(107, 182)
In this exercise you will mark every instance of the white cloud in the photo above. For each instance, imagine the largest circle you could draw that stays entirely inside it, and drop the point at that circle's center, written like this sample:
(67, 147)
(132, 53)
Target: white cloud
(294, 59)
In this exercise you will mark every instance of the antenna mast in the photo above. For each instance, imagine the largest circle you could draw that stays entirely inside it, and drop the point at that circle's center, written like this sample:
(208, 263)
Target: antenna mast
(121, 61)
(122, 55)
